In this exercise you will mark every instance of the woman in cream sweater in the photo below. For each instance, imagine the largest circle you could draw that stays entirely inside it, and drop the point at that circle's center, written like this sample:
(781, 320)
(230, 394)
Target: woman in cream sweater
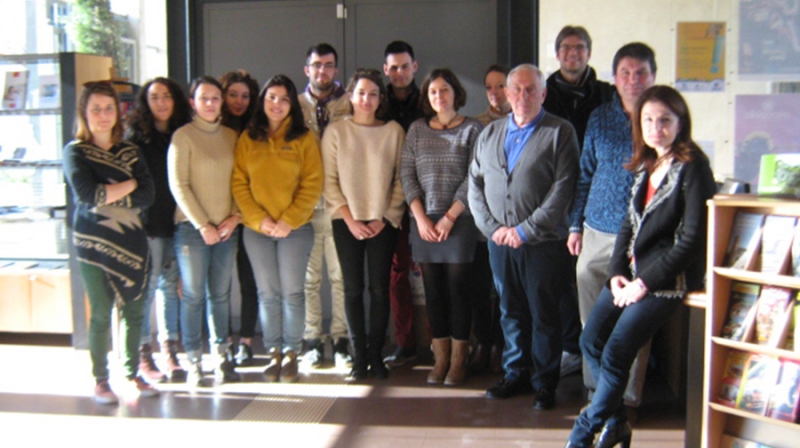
(277, 181)
(200, 164)
(364, 196)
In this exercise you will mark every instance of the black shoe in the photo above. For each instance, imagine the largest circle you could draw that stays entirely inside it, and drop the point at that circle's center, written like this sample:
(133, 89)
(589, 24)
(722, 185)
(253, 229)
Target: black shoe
(315, 353)
(545, 399)
(376, 366)
(620, 433)
(508, 389)
(244, 356)
(401, 356)
(341, 355)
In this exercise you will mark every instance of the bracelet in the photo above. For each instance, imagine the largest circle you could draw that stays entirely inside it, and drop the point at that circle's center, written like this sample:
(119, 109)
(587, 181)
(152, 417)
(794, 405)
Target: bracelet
(449, 217)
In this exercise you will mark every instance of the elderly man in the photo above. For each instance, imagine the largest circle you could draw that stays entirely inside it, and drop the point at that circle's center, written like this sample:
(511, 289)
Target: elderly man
(521, 185)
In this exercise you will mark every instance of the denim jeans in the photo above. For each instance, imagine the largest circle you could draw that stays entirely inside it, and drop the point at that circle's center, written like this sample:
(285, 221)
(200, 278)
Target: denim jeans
(163, 286)
(206, 273)
(279, 267)
(378, 252)
(527, 280)
(610, 341)
(101, 302)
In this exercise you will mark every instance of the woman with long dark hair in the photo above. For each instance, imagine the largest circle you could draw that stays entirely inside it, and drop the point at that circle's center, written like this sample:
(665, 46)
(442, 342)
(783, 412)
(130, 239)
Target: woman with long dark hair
(239, 91)
(161, 108)
(364, 196)
(200, 164)
(659, 255)
(277, 181)
(434, 170)
(110, 184)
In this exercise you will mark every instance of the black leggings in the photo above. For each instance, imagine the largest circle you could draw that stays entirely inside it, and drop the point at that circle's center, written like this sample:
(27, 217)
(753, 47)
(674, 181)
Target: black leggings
(448, 299)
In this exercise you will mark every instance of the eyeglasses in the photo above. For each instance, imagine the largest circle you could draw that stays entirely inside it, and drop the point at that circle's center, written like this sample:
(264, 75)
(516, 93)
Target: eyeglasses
(567, 48)
(321, 66)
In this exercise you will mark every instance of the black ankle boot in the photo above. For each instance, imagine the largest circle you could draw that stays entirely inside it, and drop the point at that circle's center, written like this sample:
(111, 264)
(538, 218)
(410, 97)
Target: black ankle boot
(376, 365)
(360, 362)
(611, 436)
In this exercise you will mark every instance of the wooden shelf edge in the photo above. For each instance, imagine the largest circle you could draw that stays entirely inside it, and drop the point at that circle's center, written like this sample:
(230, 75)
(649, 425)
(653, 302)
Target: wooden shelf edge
(786, 281)
(696, 299)
(749, 415)
(755, 348)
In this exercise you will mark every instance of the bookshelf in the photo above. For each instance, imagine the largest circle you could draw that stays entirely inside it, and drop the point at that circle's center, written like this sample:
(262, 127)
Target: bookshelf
(38, 292)
(717, 418)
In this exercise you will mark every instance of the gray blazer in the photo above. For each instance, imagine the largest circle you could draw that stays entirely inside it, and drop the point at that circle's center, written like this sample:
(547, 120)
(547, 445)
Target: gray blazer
(538, 193)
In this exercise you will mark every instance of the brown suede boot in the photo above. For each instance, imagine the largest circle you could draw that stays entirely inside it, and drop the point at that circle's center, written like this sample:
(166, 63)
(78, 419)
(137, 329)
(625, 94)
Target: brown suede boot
(273, 370)
(458, 363)
(170, 351)
(147, 365)
(441, 357)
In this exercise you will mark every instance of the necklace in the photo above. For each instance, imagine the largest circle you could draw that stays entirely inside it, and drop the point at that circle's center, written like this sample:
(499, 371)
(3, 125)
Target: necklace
(449, 122)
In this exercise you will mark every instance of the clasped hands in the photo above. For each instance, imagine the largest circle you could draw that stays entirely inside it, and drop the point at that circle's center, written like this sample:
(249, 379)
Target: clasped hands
(363, 231)
(627, 292)
(507, 236)
(434, 233)
(276, 229)
(216, 234)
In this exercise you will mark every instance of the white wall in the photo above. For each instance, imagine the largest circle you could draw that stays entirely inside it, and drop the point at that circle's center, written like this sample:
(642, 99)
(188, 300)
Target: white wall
(613, 23)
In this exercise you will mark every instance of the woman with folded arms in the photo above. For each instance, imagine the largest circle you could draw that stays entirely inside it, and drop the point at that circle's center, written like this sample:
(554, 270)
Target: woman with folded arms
(659, 255)
(435, 163)
(277, 181)
(111, 185)
(364, 196)
(200, 168)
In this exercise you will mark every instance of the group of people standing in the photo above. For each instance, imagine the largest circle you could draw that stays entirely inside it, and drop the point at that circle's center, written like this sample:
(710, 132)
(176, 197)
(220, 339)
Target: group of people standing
(555, 169)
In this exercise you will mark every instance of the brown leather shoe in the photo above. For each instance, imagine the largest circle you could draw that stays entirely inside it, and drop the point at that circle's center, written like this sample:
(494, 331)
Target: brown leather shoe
(147, 365)
(170, 351)
(273, 370)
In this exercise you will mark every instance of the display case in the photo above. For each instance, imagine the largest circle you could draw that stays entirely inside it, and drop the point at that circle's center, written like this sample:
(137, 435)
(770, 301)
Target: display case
(720, 420)
(37, 117)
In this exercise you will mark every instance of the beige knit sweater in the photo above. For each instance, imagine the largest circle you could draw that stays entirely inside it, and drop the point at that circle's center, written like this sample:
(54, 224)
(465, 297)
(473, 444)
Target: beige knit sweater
(200, 164)
(362, 170)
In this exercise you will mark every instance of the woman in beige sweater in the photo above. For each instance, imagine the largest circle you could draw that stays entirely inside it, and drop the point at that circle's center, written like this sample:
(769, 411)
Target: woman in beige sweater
(200, 164)
(362, 190)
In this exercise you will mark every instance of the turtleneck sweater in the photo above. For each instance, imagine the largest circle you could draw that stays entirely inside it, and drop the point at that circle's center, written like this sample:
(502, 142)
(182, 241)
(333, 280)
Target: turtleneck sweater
(200, 163)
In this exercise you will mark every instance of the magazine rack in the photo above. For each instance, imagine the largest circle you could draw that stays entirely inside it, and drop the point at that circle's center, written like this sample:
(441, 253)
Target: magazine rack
(719, 419)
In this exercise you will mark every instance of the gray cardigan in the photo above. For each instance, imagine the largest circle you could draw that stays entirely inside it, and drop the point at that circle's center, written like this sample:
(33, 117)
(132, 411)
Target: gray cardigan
(538, 192)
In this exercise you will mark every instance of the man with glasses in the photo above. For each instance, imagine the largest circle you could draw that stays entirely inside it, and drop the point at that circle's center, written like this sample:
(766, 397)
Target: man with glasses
(323, 102)
(573, 92)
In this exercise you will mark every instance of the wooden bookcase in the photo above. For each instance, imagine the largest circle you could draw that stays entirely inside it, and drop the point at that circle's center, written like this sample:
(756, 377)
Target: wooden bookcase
(719, 419)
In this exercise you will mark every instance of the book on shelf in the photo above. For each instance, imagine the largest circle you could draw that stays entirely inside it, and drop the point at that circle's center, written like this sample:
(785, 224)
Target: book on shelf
(776, 243)
(729, 441)
(15, 90)
(770, 313)
(48, 91)
(758, 379)
(783, 403)
(745, 236)
(741, 310)
(732, 377)
(793, 335)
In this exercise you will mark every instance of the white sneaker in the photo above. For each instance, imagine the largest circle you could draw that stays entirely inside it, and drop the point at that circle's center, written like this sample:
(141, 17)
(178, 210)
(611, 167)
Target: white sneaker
(570, 363)
(194, 376)
(144, 388)
(103, 394)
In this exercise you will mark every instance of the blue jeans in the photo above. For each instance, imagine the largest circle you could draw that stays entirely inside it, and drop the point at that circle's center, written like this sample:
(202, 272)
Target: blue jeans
(279, 267)
(163, 286)
(206, 273)
(610, 341)
(528, 283)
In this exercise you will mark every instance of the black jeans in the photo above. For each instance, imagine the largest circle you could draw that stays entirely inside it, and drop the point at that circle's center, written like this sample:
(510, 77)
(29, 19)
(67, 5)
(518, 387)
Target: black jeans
(448, 299)
(485, 300)
(378, 252)
(247, 285)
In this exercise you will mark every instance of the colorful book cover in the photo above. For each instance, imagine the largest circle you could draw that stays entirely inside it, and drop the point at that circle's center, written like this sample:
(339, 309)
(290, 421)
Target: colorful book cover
(741, 309)
(783, 404)
(776, 242)
(48, 91)
(744, 240)
(732, 377)
(772, 304)
(758, 381)
(794, 335)
(15, 90)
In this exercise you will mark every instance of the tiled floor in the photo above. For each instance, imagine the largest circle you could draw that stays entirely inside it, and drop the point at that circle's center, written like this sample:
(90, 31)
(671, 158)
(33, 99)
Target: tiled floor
(45, 400)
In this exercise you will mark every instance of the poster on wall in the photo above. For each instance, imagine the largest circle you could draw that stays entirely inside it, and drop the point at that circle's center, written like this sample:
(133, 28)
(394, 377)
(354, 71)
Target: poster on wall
(765, 124)
(769, 40)
(700, 64)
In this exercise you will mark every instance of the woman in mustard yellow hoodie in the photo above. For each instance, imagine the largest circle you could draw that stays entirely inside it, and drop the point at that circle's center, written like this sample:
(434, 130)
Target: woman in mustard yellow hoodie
(277, 181)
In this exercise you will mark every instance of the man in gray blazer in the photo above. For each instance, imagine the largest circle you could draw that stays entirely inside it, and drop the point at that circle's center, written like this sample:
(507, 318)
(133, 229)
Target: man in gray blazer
(521, 186)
